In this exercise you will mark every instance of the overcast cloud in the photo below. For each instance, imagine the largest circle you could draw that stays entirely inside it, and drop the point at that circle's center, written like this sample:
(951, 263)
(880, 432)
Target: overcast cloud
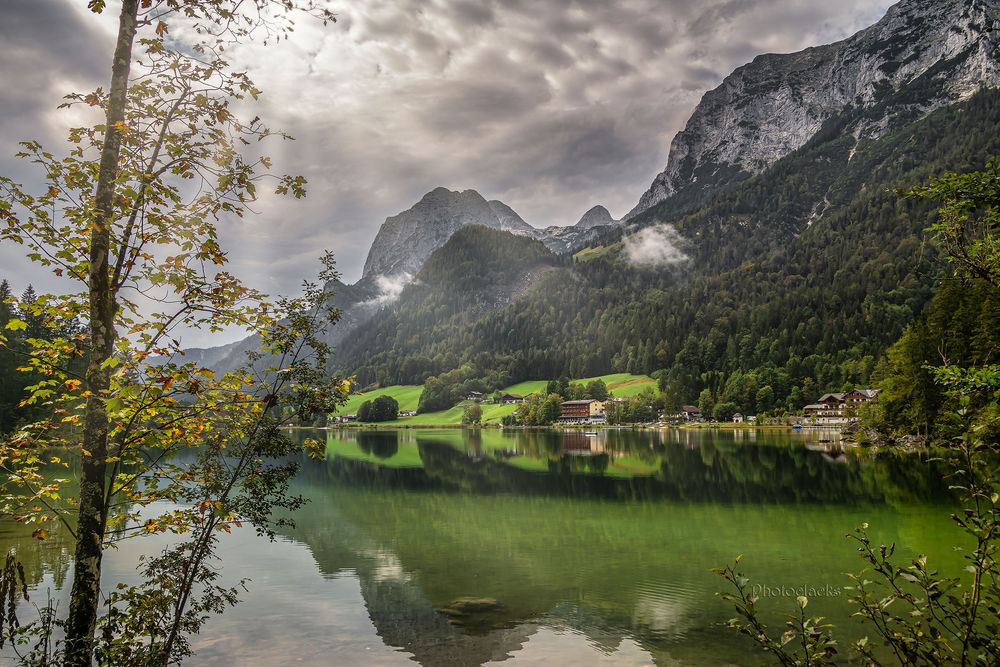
(551, 106)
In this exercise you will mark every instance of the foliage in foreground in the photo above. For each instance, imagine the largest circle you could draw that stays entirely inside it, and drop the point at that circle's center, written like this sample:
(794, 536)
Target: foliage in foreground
(127, 220)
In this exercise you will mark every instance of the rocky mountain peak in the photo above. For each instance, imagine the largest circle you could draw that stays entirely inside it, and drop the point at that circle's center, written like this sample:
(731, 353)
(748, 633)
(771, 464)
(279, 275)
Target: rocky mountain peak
(595, 217)
(923, 54)
(406, 240)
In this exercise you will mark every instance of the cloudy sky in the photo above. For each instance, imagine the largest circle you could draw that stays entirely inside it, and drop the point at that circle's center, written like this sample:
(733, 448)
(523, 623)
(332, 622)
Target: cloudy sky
(549, 105)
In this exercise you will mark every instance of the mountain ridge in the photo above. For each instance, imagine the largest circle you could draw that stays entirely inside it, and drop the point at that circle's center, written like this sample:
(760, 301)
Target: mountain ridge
(775, 104)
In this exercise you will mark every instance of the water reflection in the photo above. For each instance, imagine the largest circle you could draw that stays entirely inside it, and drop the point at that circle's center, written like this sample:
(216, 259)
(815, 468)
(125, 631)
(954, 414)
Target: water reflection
(524, 521)
(580, 548)
(727, 466)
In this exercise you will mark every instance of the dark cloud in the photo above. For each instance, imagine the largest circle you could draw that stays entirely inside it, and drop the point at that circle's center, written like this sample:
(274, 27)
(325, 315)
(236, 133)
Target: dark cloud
(49, 49)
(549, 106)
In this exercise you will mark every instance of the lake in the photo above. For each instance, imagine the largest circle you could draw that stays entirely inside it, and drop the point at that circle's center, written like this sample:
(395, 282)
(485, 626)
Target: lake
(596, 548)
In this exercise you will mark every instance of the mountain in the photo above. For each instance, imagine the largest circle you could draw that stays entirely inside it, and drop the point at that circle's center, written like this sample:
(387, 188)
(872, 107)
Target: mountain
(935, 52)
(796, 282)
(479, 270)
(771, 259)
(595, 217)
(407, 239)
(510, 221)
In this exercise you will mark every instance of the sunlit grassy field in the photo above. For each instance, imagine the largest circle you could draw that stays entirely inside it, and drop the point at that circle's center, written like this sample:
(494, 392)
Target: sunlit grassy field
(408, 396)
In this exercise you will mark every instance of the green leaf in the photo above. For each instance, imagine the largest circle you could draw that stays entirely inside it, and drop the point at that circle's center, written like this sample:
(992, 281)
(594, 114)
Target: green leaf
(17, 325)
(111, 362)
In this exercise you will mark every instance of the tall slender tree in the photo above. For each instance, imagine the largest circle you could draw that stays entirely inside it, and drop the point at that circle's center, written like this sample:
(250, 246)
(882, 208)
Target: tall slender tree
(129, 214)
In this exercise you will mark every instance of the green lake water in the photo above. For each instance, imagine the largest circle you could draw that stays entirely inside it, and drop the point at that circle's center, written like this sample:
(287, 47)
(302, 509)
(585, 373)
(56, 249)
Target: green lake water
(597, 548)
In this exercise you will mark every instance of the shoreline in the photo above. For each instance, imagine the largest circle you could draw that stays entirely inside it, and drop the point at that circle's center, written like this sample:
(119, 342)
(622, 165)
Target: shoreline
(568, 427)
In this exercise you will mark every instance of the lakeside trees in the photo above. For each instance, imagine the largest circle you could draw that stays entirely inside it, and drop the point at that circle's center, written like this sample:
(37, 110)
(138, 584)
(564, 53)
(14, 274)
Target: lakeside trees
(945, 382)
(382, 409)
(127, 218)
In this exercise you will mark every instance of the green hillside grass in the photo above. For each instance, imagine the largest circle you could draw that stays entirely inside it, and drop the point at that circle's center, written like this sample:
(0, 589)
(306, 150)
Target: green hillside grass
(527, 387)
(408, 396)
(625, 384)
(597, 252)
(620, 384)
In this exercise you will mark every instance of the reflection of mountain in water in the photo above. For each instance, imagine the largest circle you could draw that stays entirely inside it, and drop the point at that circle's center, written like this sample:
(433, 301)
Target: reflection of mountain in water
(561, 547)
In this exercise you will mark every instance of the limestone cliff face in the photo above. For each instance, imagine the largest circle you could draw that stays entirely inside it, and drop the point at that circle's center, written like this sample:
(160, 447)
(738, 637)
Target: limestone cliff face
(923, 54)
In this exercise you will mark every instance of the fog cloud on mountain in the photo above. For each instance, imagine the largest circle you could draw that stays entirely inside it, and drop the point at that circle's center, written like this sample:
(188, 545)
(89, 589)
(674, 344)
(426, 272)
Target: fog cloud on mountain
(655, 246)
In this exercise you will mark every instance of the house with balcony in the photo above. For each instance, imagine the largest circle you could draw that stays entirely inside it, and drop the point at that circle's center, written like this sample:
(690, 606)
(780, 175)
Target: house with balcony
(584, 411)
(839, 408)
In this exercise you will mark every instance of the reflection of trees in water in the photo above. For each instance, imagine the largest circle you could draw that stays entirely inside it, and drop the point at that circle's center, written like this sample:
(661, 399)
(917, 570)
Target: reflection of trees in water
(689, 466)
(402, 599)
(52, 557)
(382, 444)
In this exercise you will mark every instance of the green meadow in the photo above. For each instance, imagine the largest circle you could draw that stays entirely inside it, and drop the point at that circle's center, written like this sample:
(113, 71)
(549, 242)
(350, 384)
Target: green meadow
(408, 397)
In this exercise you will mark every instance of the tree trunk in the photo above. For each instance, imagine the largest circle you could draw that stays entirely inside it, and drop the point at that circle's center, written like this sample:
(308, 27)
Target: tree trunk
(85, 597)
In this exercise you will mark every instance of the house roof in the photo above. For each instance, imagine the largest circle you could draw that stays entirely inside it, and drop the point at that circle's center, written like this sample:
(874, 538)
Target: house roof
(509, 395)
(691, 408)
(814, 406)
(837, 396)
(585, 401)
(869, 393)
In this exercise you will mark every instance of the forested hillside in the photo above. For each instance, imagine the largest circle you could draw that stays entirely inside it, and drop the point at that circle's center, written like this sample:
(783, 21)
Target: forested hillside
(478, 271)
(31, 322)
(798, 280)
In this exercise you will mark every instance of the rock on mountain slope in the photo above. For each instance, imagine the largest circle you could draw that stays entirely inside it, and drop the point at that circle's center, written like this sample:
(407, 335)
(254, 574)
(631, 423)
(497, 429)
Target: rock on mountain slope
(937, 51)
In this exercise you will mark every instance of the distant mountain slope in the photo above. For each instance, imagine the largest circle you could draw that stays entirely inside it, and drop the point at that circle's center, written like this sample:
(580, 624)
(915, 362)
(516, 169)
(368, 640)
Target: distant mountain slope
(798, 278)
(478, 271)
(595, 217)
(405, 240)
(941, 50)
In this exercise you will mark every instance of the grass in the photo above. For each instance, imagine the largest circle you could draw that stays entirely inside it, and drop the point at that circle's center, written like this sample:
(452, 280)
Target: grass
(492, 414)
(527, 387)
(589, 254)
(407, 395)
(408, 456)
(624, 384)
(620, 384)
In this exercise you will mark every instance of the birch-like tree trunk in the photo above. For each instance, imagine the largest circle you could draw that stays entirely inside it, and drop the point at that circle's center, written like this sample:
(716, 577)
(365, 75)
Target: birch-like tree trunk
(85, 597)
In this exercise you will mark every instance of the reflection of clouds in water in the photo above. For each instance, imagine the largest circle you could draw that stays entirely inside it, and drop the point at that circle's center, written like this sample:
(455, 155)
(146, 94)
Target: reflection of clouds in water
(387, 566)
(664, 610)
